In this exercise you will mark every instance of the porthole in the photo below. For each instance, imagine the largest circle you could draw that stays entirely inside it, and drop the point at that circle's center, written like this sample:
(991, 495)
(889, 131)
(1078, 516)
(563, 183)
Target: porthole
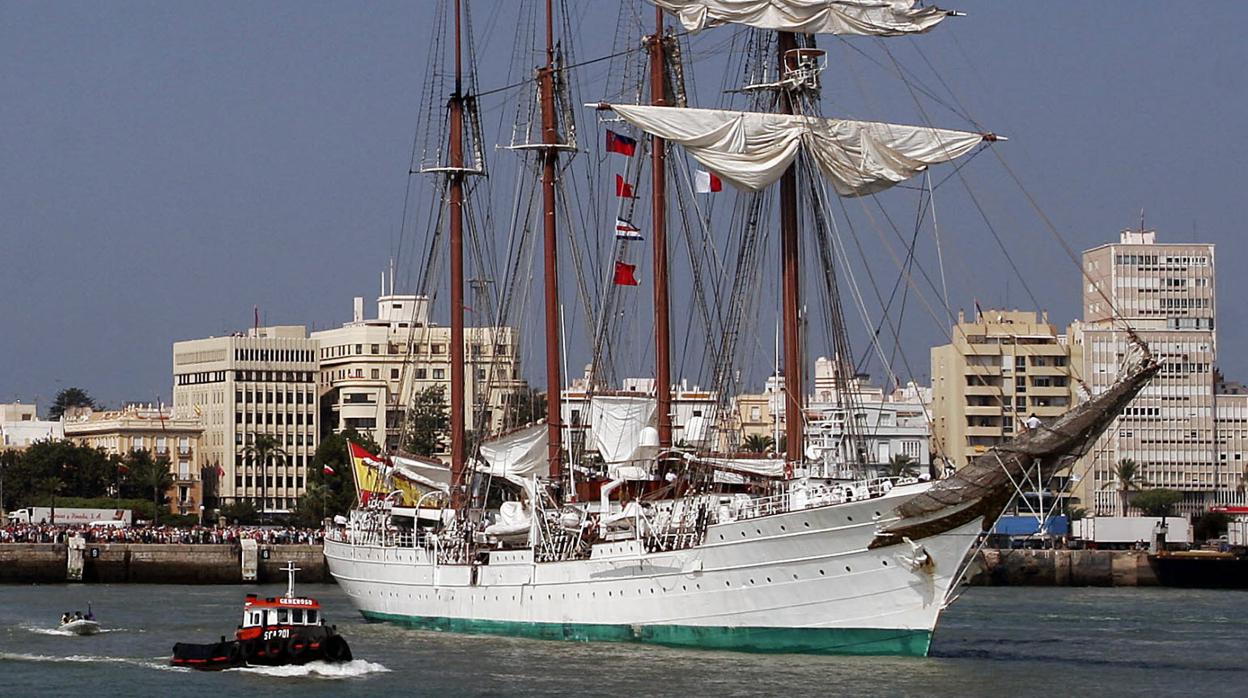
(877, 514)
(759, 531)
(727, 583)
(721, 536)
(782, 528)
(769, 580)
(849, 518)
(795, 576)
(821, 573)
(751, 581)
(806, 524)
(847, 568)
(684, 587)
(885, 563)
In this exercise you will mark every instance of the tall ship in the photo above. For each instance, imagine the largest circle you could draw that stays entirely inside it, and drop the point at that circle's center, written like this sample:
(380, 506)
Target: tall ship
(622, 532)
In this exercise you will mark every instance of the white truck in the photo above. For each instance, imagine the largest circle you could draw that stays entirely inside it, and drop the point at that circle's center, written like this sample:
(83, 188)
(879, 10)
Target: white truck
(1131, 529)
(71, 516)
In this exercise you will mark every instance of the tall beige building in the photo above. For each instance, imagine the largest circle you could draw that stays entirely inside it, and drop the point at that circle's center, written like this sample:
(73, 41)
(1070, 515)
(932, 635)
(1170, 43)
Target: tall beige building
(370, 368)
(147, 428)
(1166, 293)
(262, 382)
(1001, 367)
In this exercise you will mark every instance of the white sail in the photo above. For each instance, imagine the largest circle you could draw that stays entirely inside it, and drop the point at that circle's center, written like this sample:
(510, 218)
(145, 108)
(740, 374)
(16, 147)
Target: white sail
(860, 17)
(429, 474)
(766, 467)
(751, 149)
(517, 456)
(619, 424)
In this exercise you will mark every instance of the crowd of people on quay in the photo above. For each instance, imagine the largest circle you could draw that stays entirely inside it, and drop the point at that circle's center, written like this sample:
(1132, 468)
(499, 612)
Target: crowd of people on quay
(60, 533)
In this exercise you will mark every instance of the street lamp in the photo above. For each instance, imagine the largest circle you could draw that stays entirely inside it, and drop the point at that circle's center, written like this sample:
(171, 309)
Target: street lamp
(201, 514)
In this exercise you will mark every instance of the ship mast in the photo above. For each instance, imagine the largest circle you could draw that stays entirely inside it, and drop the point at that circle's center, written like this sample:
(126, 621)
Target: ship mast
(455, 176)
(794, 425)
(550, 156)
(658, 173)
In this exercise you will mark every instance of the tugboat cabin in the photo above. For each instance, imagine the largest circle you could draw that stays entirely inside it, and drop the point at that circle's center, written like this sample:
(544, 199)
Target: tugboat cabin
(270, 613)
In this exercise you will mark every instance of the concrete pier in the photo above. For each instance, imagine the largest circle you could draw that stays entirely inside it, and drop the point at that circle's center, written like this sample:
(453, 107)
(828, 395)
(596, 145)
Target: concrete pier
(1068, 568)
(112, 563)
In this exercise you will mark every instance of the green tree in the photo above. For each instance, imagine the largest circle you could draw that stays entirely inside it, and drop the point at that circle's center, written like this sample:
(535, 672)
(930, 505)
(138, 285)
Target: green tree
(427, 422)
(242, 512)
(67, 398)
(757, 443)
(901, 465)
(335, 491)
(266, 453)
(1157, 502)
(1128, 478)
(524, 406)
(153, 475)
(1211, 524)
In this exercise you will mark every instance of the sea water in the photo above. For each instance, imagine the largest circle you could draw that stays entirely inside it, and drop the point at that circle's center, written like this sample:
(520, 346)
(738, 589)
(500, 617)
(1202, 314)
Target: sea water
(1000, 642)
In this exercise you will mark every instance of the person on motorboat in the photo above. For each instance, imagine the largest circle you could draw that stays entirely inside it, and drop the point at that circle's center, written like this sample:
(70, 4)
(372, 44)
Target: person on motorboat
(64, 618)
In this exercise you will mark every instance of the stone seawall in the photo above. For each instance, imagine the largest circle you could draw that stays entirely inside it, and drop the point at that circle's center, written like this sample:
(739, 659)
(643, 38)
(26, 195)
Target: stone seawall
(1065, 568)
(112, 563)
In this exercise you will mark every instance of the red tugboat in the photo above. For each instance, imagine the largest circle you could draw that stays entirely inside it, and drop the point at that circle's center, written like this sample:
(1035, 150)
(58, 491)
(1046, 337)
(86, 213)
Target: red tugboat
(275, 631)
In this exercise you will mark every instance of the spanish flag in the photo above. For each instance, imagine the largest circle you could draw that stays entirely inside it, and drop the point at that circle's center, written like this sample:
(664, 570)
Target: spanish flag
(376, 476)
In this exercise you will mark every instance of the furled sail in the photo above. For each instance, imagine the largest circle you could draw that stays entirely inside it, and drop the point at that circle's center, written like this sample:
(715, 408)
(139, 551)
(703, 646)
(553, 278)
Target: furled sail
(752, 150)
(861, 17)
(620, 424)
(517, 456)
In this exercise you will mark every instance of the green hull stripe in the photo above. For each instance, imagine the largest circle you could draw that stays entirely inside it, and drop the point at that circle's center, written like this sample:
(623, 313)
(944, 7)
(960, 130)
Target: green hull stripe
(870, 641)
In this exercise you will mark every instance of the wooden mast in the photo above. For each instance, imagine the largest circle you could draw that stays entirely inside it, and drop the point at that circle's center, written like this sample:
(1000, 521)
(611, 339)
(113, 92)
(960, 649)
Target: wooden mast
(794, 425)
(550, 155)
(456, 182)
(658, 208)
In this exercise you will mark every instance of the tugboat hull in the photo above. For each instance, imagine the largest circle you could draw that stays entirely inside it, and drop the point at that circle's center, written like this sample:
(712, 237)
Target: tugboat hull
(297, 648)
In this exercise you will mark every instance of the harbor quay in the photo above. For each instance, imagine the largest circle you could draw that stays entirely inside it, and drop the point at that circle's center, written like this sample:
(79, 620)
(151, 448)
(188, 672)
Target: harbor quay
(177, 563)
(158, 563)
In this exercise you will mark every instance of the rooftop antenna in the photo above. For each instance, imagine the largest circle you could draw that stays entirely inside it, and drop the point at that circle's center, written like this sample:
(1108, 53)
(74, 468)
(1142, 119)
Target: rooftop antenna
(1141, 220)
(290, 571)
(392, 276)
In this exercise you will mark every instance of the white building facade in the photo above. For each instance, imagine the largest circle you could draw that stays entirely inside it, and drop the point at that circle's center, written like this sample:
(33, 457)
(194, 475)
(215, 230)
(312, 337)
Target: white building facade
(240, 387)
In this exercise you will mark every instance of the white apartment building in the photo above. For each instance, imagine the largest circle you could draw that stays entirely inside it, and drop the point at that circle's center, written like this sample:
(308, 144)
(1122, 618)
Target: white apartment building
(370, 369)
(20, 426)
(262, 382)
(1166, 292)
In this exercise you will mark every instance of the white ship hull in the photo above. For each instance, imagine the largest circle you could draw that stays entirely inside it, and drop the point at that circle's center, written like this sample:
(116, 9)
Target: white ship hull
(800, 581)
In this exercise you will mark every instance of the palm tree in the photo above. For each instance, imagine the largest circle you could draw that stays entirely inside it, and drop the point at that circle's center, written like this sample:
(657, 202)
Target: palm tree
(51, 486)
(1128, 477)
(266, 451)
(757, 443)
(154, 473)
(900, 466)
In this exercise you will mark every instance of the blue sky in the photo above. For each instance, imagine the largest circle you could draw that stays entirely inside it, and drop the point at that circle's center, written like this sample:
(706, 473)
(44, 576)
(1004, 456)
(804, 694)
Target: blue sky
(166, 166)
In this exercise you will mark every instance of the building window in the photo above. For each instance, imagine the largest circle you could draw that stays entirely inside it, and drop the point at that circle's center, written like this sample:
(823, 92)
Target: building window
(359, 348)
(375, 349)
(394, 374)
(376, 373)
(439, 374)
(436, 348)
(421, 374)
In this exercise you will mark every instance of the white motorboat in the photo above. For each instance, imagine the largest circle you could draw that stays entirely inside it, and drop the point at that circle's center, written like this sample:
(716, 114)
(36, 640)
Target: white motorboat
(81, 626)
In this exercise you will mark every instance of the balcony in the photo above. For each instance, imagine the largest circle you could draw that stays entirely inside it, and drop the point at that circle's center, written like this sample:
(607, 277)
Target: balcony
(994, 432)
(983, 390)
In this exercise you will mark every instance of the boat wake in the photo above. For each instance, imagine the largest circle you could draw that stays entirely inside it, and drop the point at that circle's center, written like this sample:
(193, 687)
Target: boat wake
(69, 633)
(158, 663)
(319, 670)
